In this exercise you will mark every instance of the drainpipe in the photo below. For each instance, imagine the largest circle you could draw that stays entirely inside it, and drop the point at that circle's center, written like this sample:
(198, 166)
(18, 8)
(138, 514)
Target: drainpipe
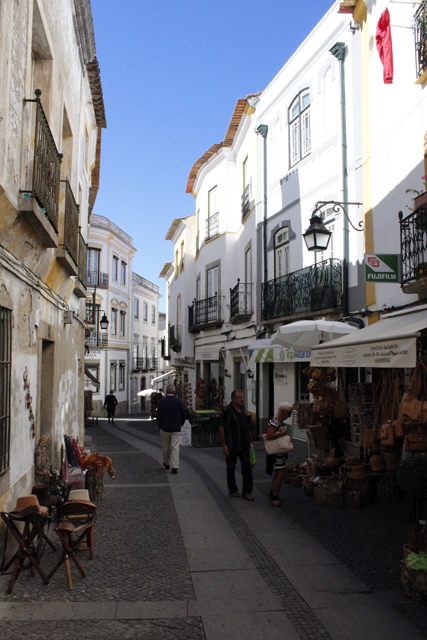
(263, 130)
(338, 51)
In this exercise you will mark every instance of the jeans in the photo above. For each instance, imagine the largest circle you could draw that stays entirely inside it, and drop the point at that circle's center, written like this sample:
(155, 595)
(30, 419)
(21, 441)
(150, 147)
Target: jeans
(231, 460)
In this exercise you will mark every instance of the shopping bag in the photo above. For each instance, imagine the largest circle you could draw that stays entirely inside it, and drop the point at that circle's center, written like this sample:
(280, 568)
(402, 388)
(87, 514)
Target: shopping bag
(252, 456)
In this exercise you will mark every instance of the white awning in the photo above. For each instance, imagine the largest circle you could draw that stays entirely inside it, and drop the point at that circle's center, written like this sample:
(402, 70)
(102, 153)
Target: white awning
(391, 342)
(163, 376)
(266, 351)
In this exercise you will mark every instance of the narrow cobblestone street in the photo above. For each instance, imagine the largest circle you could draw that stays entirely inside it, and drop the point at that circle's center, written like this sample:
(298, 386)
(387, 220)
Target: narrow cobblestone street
(176, 558)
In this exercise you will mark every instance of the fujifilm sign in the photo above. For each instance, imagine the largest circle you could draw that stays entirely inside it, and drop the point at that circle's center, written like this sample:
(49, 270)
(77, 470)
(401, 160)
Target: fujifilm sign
(382, 268)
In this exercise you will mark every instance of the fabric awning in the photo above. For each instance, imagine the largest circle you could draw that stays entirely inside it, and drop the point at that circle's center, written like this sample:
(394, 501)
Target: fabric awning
(92, 377)
(391, 342)
(266, 351)
(163, 376)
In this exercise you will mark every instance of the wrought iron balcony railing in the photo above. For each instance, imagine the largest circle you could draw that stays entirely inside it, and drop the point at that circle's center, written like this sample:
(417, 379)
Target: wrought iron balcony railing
(420, 29)
(145, 364)
(241, 301)
(98, 279)
(97, 340)
(212, 226)
(175, 337)
(46, 166)
(206, 313)
(82, 264)
(71, 223)
(245, 203)
(310, 289)
(413, 245)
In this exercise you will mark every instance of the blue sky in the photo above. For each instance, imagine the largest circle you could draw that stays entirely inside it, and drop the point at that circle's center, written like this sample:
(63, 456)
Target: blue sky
(172, 71)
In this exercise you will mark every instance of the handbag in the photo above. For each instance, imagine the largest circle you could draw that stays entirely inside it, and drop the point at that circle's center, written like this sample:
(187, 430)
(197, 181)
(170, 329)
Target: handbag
(252, 456)
(416, 441)
(387, 434)
(278, 445)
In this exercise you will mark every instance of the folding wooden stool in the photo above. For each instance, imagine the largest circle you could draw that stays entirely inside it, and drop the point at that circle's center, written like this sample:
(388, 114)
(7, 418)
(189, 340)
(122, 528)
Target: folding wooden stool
(65, 530)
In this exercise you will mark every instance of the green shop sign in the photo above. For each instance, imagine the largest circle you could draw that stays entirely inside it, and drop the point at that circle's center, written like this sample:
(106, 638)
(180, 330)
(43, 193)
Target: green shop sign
(382, 267)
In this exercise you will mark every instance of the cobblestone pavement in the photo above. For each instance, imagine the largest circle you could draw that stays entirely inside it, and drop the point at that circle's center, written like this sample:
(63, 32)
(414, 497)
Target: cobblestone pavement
(368, 540)
(188, 629)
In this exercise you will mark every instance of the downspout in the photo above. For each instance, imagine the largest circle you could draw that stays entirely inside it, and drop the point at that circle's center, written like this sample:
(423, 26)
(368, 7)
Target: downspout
(338, 50)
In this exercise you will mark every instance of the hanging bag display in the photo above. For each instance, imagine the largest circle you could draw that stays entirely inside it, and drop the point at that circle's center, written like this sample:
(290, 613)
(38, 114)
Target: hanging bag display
(413, 412)
(416, 441)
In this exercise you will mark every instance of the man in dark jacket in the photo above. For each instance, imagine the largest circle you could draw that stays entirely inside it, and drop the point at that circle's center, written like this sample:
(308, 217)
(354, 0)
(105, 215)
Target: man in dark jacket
(171, 415)
(110, 404)
(236, 443)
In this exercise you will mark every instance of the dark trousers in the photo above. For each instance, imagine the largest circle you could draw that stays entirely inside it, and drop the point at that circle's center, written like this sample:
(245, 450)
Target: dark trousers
(231, 460)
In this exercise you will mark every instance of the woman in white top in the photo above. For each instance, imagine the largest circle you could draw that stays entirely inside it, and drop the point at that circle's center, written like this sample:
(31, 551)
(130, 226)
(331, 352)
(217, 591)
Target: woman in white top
(277, 428)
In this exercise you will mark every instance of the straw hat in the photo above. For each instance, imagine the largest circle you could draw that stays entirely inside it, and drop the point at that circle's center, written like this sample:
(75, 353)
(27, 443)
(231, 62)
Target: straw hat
(24, 502)
(79, 495)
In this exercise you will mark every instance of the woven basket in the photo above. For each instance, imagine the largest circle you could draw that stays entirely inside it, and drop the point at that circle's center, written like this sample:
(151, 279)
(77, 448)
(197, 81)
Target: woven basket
(307, 487)
(295, 480)
(323, 497)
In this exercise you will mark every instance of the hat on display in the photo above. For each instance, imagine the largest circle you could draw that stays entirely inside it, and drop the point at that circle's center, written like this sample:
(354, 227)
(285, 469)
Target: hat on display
(79, 495)
(29, 502)
(42, 493)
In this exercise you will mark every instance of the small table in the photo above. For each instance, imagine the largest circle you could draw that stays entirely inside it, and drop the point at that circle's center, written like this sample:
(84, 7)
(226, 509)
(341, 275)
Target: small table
(205, 416)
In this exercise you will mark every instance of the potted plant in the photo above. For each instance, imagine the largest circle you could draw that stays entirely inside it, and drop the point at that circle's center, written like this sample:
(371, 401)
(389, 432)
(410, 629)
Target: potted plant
(420, 205)
(95, 465)
(412, 479)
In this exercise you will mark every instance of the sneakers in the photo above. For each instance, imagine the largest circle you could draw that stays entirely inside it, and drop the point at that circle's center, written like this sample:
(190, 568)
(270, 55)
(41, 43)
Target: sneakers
(174, 471)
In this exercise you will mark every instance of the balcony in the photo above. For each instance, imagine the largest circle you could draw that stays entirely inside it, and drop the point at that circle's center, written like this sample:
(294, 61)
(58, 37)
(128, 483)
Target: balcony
(314, 288)
(80, 283)
(98, 279)
(40, 203)
(142, 365)
(241, 302)
(96, 340)
(175, 338)
(68, 255)
(413, 245)
(420, 29)
(245, 203)
(212, 226)
(204, 314)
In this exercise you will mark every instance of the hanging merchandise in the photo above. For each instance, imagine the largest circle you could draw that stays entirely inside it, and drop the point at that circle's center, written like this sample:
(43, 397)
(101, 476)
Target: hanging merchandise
(384, 46)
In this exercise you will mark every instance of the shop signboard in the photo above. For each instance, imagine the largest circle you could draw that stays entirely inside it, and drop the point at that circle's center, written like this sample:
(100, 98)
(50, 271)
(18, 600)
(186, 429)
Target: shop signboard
(278, 354)
(390, 353)
(185, 440)
(384, 267)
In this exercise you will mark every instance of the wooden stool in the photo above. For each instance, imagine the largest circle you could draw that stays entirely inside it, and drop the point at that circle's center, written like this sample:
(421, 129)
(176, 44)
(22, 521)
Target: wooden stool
(65, 530)
(30, 542)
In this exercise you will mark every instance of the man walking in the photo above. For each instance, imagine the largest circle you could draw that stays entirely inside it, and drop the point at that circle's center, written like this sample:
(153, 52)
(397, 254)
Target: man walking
(110, 404)
(171, 415)
(236, 443)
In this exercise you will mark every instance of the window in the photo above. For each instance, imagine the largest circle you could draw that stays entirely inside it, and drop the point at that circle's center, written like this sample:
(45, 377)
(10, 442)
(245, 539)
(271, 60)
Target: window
(212, 282)
(178, 310)
(245, 194)
(153, 315)
(248, 266)
(245, 174)
(153, 354)
(182, 256)
(176, 263)
(123, 273)
(122, 376)
(136, 308)
(115, 268)
(212, 225)
(113, 322)
(93, 259)
(145, 312)
(93, 369)
(135, 354)
(198, 289)
(113, 376)
(281, 253)
(122, 323)
(299, 128)
(5, 380)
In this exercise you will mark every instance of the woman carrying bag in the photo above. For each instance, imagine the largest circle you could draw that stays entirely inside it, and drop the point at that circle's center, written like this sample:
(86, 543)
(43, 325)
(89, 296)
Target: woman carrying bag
(276, 429)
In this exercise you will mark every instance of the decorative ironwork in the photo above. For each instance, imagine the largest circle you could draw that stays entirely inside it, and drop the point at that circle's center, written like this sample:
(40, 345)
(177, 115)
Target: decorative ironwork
(413, 245)
(82, 264)
(420, 29)
(97, 340)
(337, 207)
(204, 313)
(245, 203)
(241, 301)
(310, 289)
(144, 283)
(175, 337)
(144, 364)
(98, 279)
(47, 166)
(5, 386)
(212, 226)
(71, 223)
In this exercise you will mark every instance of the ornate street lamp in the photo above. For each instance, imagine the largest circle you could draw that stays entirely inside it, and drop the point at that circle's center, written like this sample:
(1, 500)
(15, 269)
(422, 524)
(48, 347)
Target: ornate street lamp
(317, 235)
(104, 322)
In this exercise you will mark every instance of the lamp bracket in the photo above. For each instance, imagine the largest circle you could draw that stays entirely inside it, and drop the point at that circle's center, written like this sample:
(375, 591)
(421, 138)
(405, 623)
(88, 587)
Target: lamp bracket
(337, 207)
